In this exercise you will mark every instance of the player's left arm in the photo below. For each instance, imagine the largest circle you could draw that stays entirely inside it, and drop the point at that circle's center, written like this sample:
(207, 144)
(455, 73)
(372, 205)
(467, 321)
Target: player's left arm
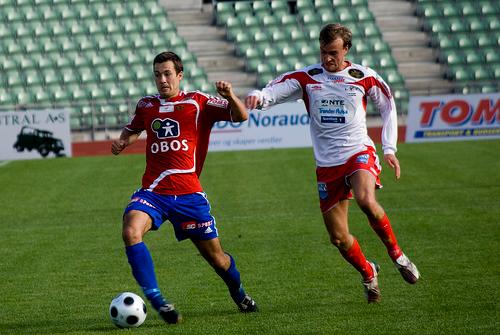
(239, 112)
(383, 99)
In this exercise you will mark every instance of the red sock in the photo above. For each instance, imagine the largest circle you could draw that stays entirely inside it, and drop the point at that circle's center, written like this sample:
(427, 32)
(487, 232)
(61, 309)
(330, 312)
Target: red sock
(355, 256)
(384, 230)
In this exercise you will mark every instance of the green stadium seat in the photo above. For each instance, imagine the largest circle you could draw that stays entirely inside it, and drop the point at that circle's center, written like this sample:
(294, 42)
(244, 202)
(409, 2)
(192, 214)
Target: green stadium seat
(304, 5)
(41, 96)
(62, 95)
(264, 78)
(461, 73)
(297, 35)
(436, 26)
(261, 8)
(494, 24)
(261, 37)
(279, 35)
(323, 5)
(385, 60)
(328, 17)
(340, 3)
(243, 8)
(468, 9)
(252, 63)
(451, 10)
(86, 75)
(477, 25)
(393, 78)
(487, 8)
(307, 50)
(429, 11)
(279, 7)
(69, 76)
(50, 77)
(270, 21)
(490, 89)
(492, 56)
(453, 57)
(456, 25)
(473, 57)
(288, 20)
(289, 51)
(482, 73)
(364, 14)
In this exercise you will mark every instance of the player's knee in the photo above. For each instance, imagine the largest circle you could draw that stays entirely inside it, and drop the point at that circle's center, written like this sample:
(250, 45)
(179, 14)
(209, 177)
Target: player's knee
(219, 261)
(367, 204)
(339, 240)
(131, 235)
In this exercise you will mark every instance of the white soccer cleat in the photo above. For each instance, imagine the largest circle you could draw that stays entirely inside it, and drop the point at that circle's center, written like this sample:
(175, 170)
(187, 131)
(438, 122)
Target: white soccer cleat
(408, 270)
(372, 291)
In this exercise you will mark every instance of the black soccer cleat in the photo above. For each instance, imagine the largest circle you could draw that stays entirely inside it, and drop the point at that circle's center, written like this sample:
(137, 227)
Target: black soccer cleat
(169, 314)
(248, 305)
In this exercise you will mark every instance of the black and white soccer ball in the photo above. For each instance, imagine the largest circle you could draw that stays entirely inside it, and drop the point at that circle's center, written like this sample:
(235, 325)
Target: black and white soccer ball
(127, 310)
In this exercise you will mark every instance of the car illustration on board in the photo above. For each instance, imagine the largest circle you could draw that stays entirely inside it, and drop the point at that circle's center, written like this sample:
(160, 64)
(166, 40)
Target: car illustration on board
(41, 140)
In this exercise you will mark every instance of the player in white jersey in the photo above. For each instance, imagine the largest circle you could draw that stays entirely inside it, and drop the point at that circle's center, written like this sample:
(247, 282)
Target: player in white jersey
(335, 93)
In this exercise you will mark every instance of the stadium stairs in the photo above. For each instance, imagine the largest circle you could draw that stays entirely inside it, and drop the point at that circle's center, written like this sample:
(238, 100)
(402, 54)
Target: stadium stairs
(410, 47)
(400, 28)
(208, 42)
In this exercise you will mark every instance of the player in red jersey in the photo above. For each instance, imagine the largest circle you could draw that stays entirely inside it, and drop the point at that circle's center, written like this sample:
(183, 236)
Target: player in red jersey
(178, 126)
(335, 93)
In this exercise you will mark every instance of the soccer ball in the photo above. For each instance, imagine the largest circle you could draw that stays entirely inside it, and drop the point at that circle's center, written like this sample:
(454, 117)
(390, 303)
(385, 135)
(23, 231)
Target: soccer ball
(127, 310)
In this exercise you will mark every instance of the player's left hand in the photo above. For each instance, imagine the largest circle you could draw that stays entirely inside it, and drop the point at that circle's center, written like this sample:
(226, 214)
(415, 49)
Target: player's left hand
(224, 88)
(393, 163)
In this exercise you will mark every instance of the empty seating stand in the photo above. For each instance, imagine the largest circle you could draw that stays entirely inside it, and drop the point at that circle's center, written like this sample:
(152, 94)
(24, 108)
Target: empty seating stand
(467, 37)
(92, 57)
(280, 35)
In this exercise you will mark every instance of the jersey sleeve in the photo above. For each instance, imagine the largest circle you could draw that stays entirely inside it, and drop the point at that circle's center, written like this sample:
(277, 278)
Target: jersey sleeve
(284, 88)
(381, 96)
(216, 109)
(136, 123)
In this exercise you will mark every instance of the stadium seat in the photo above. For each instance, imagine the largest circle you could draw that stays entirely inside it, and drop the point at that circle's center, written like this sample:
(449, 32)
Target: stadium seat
(243, 9)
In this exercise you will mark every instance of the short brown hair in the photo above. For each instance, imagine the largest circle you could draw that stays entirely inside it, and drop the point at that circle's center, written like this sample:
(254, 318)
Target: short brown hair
(169, 56)
(332, 31)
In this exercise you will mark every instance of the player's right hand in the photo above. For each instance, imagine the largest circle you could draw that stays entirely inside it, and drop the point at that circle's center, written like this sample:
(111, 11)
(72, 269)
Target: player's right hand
(252, 101)
(117, 146)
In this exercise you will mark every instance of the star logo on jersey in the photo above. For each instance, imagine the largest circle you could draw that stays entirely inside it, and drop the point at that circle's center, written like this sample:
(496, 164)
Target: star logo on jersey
(166, 128)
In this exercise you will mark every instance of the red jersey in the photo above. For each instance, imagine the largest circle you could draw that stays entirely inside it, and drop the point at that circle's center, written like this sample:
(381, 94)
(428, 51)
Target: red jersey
(178, 131)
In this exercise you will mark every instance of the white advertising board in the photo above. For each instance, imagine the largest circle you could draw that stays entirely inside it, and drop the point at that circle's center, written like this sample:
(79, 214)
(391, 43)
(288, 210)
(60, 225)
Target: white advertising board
(34, 134)
(453, 117)
(282, 126)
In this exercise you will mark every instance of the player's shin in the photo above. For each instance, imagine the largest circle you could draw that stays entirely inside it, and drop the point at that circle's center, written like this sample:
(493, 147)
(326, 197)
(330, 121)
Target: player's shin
(356, 258)
(143, 271)
(384, 231)
(231, 277)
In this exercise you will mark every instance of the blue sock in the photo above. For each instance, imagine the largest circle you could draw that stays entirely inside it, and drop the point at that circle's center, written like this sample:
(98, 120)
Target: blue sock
(232, 279)
(143, 270)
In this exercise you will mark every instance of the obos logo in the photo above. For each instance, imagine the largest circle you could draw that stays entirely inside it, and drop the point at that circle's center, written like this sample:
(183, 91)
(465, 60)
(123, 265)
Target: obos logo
(166, 128)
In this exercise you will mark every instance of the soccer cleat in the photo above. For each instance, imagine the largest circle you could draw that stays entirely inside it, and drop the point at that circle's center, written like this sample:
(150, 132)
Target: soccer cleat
(372, 291)
(169, 314)
(408, 270)
(247, 305)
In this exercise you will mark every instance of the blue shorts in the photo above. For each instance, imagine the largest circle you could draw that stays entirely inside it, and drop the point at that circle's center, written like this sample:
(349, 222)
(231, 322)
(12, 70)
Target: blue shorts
(189, 213)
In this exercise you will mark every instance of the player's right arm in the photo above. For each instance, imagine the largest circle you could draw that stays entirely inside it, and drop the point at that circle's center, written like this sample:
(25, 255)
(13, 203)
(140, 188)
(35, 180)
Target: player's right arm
(127, 137)
(131, 131)
(285, 88)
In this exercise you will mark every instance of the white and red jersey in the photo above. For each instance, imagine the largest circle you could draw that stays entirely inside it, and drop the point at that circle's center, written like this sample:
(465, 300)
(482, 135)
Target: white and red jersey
(336, 104)
(178, 131)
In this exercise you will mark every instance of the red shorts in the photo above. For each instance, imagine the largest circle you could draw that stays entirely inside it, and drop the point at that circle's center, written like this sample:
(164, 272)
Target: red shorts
(333, 182)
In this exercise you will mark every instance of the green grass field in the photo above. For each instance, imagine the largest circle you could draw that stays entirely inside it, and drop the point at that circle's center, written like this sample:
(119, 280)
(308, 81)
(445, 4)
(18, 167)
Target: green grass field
(62, 258)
